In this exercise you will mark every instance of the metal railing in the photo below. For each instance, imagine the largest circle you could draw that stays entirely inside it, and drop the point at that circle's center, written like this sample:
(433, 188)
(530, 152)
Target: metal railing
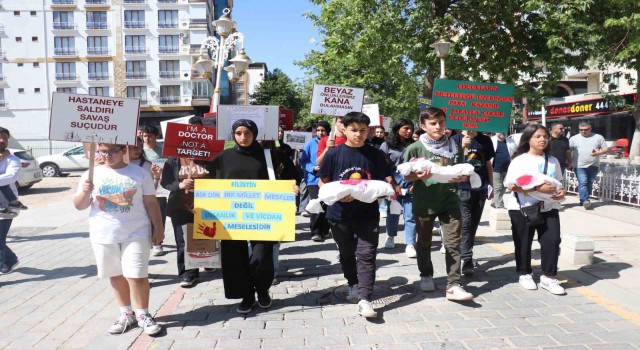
(97, 25)
(63, 2)
(134, 1)
(168, 49)
(169, 100)
(618, 183)
(137, 75)
(66, 76)
(64, 25)
(45, 151)
(4, 104)
(169, 74)
(167, 1)
(96, 2)
(136, 50)
(135, 24)
(168, 24)
(201, 97)
(65, 52)
(99, 76)
(98, 51)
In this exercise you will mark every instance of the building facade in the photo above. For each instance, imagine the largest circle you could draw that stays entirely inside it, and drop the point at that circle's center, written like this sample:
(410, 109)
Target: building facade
(126, 48)
(249, 82)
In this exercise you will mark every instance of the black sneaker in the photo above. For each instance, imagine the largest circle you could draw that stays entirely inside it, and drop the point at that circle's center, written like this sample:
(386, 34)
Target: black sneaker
(4, 268)
(17, 205)
(188, 281)
(327, 235)
(468, 267)
(264, 300)
(246, 305)
(210, 269)
(316, 238)
(5, 213)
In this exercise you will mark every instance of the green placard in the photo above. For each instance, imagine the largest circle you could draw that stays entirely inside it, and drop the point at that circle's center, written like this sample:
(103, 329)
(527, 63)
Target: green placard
(474, 106)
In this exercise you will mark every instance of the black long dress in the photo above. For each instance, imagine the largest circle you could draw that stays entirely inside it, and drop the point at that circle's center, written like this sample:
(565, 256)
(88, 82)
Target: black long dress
(244, 274)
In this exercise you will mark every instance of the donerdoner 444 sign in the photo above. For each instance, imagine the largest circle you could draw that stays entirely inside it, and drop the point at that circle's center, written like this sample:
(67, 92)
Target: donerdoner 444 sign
(475, 106)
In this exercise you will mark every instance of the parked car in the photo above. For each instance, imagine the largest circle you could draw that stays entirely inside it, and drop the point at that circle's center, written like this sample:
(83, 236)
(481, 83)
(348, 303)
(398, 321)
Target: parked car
(30, 172)
(70, 160)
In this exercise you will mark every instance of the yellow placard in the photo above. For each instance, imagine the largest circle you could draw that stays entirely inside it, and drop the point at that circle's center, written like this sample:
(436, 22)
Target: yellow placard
(260, 210)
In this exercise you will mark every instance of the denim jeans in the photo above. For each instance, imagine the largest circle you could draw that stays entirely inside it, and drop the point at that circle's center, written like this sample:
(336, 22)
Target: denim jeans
(586, 176)
(409, 220)
(7, 256)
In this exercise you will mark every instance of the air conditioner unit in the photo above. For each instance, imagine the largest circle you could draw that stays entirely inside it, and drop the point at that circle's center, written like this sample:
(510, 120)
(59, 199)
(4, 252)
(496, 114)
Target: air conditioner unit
(186, 100)
(184, 23)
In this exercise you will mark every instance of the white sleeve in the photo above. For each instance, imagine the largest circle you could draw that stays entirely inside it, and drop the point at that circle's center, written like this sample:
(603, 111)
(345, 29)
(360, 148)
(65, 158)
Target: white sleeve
(83, 178)
(12, 171)
(512, 172)
(147, 184)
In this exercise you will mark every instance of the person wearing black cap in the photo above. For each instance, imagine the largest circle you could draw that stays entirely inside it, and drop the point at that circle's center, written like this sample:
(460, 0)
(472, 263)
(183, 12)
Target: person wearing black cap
(308, 161)
(244, 274)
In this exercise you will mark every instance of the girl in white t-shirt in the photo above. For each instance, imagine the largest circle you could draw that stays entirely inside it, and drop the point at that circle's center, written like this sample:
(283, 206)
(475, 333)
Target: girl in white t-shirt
(123, 209)
(532, 156)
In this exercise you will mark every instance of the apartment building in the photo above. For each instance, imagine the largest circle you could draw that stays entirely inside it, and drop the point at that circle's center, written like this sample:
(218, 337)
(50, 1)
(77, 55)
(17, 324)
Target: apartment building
(128, 48)
(243, 89)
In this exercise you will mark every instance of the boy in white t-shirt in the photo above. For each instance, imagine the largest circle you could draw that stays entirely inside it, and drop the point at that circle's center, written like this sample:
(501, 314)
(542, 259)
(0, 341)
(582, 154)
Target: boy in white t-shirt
(123, 208)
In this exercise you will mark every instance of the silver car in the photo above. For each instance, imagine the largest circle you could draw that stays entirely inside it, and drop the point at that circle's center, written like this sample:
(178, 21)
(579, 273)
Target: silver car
(30, 171)
(70, 160)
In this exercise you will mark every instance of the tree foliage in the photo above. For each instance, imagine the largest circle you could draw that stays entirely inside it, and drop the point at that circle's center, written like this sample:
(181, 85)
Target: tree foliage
(279, 90)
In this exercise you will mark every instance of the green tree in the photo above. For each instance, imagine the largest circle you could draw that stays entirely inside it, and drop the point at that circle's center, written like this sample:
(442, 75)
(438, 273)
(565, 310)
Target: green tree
(277, 89)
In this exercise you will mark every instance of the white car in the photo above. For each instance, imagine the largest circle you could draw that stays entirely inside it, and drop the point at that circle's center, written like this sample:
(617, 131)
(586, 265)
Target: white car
(30, 172)
(70, 160)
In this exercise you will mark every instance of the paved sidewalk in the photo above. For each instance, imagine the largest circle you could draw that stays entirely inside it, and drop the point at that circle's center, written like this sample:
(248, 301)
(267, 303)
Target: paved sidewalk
(54, 299)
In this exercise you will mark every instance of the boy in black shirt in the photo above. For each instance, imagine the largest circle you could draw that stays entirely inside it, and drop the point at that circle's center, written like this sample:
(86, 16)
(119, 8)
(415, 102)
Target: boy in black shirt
(348, 217)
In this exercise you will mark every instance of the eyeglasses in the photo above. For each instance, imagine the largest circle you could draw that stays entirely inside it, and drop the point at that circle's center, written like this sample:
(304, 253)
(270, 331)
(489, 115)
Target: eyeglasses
(109, 152)
(581, 130)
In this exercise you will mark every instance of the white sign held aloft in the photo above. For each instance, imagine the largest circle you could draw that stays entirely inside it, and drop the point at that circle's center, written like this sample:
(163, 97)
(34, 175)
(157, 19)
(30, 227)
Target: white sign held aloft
(297, 139)
(373, 112)
(88, 118)
(336, 100)
(386, 122)
(265, 117)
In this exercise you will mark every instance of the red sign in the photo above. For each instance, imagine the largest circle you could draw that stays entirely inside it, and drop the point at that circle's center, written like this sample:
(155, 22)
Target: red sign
(191, 141)
(286, 118)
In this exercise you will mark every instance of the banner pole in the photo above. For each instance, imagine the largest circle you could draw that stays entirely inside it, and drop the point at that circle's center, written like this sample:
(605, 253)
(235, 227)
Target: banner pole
(92, 159)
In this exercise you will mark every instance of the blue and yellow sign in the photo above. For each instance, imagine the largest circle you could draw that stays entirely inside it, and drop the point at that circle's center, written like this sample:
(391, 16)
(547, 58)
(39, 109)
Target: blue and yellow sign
(260, 210)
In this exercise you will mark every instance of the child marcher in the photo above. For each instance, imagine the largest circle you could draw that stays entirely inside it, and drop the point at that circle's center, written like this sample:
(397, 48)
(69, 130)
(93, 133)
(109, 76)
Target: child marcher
(432, 200)
(123, 211)
(348, 218)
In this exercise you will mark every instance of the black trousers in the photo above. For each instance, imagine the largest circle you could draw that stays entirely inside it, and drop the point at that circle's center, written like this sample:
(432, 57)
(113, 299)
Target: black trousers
(178, 233)
(358, 243)
(471, 206)
(319, 223)
(244, 274)
(548, 237)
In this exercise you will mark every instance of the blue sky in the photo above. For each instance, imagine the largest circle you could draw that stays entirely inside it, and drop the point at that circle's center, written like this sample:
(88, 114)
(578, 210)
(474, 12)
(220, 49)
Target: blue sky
(275, 32)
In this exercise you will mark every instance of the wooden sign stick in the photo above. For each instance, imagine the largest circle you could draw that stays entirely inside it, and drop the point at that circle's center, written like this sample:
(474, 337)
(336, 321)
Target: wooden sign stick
(92, 159)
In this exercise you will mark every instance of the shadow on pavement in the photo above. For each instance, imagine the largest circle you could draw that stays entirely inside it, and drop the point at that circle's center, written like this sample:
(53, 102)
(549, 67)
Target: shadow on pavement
(54, 274)
(43, 190)
(48, 237)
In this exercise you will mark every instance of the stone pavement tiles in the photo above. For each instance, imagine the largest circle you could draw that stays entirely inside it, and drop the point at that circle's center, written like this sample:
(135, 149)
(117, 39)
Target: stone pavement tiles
(55, 301)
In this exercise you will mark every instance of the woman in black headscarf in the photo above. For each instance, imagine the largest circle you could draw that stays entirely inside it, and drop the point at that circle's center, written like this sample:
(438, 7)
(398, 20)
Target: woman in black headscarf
(244, 275)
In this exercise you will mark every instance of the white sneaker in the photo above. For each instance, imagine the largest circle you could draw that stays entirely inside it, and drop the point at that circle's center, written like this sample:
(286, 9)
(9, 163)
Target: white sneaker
(352, 294)
(148, 324)
(426, 284)
(442, 249)
(156, 250)
(389, 243)
(123, 323)
(527, 282)
(458, 293)
(365, 308)
(410, 250)
(552, 285)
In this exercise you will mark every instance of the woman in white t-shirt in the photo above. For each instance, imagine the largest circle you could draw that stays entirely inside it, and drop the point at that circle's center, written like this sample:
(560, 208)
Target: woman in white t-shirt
(532, 156)
(123, 209)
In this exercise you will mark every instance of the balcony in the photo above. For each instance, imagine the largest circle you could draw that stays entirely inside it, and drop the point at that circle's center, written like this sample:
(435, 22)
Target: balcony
(169, 49)
(97, 51)
(63, 3)
(99, 76)
(134, 2)
(4, 104)
(3, 79)
(66, 77)
(169, 100)
(96, 3)
(167, 2)
(65, 26)
(65, 52)
(3, 55)
(136, 50)
(97, 26)
(137, 76)
(197, 23)
(170, 75)
(135, 25)
(167, 24)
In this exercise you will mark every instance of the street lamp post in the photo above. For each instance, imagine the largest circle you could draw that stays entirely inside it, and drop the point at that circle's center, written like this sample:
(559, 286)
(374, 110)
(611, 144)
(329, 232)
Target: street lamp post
(442, 51)
(215, 51)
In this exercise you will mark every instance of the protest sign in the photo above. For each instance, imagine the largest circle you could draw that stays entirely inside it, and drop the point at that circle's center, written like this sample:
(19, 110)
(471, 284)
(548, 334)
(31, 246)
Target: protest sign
(86, 118)
(424, 102)
(262, 210)
(386, 122)
(336, 100)
(191, 141)
(286, 119)
(265, 117)
(297, 139)
(373, 112)
(200, 252)
(475, 106)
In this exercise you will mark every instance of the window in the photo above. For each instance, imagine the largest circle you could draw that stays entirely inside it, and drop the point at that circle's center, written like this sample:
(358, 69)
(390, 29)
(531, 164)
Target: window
(170, 69)
(134, 44)
(137, 92)
(169, 43)
(36, 64)
(97, 45)
(98, 70)
(69, 90)
(20, 64)
(34, 38)
(169, 94)
(65, 71)
(136, 69)
(16, 13)
(18, 39)
(36, 90)
(168, 19)
(3, 103)
(64, 46)
(134, 19)
(33, 13)
(99, 91)
(612, 81)
(21, 90)
(97, 20)
(63, 20)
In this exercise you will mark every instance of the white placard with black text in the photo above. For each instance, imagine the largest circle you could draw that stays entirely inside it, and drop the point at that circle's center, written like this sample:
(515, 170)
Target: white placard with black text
(373, 112)
(297, 139)
(265, 117)
(336, 100)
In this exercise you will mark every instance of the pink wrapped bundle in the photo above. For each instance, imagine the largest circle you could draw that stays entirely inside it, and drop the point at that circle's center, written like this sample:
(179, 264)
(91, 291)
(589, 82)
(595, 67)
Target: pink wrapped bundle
(528, 181)
(367, 191)
(440, 174)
